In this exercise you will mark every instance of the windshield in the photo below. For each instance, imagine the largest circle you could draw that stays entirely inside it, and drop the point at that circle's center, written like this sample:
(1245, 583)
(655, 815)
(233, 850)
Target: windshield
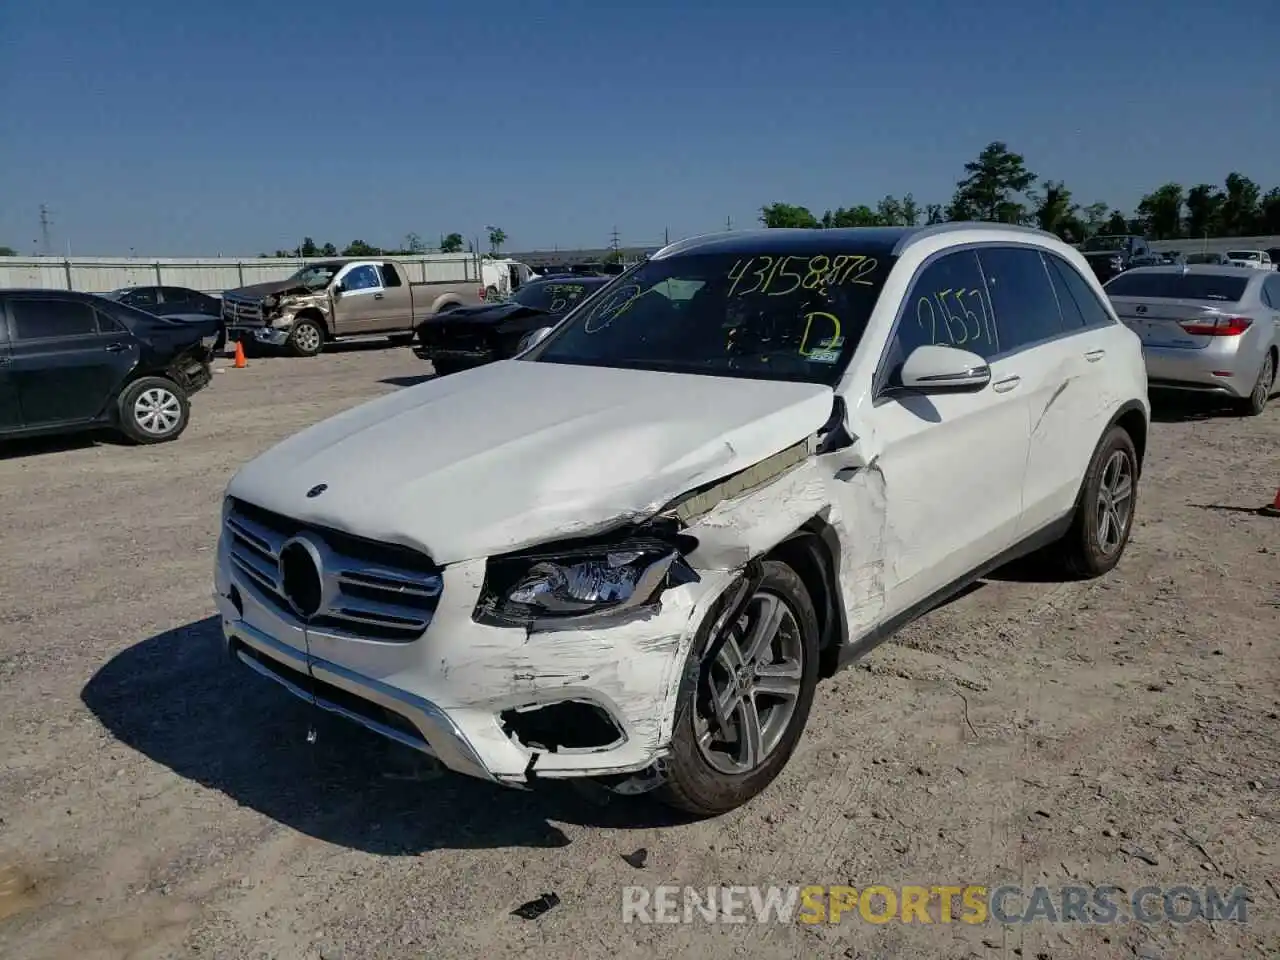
(768, 316)
(317, 275)
(553, 296)
(1178, 286)
(1102, 244)
(1253, 255)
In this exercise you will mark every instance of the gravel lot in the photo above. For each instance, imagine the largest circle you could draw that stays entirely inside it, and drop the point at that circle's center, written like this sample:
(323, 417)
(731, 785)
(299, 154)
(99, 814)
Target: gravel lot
(157, 802)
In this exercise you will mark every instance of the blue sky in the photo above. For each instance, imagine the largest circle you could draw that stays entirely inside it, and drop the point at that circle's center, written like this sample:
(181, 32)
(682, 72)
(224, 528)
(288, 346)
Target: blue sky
(234, 127)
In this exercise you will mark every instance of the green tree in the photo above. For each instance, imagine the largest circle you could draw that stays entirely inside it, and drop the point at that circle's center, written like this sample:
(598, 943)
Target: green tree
(1161, 212)
(358, 248)
(1240, 208)
(497, 237)
(452, 243)
(1054, 211)
(859, 216)
(1204, 211)
(413, 243)
(308, 248)
(1094, 217)
(934, 213)
(994, 185)
(787, 215)
(8, 252)
(328, 250)
(1269, 217)
(1116, 224)
(893, 212)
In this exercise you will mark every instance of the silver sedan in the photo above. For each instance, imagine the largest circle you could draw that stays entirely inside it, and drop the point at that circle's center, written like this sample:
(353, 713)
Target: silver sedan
(1205, 329)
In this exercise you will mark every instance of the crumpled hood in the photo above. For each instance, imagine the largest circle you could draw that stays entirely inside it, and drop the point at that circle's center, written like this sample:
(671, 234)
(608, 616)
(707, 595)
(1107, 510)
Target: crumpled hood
(516, 453)
(256, 291)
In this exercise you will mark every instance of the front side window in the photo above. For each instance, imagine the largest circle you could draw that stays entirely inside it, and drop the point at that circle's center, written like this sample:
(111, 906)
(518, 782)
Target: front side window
(947, 306)
(44, 319)
(362, 278)
(768, 315)
(139, 297)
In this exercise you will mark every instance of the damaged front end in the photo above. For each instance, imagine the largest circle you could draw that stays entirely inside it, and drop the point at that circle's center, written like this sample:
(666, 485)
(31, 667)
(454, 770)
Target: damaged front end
(269, 318)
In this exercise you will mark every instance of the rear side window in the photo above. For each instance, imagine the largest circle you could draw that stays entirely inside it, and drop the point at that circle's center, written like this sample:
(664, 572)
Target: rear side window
(178, 294)
(142, 297)
(44, 319)
(1025, 305)
(1179, 286)
(1080, 300)
(1271, 292)
(390, 277)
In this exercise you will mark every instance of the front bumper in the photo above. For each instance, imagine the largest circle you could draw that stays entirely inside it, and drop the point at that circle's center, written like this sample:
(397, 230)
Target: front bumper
(274, 336)
(451, 693)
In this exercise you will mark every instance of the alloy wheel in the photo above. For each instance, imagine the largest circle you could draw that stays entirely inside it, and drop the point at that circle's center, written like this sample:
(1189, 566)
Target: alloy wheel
(1115, 502)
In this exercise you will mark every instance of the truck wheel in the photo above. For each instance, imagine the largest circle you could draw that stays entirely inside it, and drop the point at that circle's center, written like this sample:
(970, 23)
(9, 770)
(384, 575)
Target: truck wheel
(744, 699)
(153, 410)
(306, 339)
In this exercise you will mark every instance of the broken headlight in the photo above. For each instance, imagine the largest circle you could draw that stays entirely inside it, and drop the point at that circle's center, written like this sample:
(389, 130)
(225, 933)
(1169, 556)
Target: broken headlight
(578, 583)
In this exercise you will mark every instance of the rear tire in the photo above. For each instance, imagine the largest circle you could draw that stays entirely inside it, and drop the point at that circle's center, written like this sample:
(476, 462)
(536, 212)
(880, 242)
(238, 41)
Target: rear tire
(708, 773)
(153, 410)
(1262, 387)
(306, 339)
(1104, 514)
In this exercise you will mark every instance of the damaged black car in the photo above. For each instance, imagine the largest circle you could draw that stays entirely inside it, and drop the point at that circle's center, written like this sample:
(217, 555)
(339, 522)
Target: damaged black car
(75, 361)
(471, 336)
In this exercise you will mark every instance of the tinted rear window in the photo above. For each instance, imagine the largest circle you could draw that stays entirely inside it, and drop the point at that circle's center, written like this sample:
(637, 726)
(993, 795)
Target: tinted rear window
(1178, 286)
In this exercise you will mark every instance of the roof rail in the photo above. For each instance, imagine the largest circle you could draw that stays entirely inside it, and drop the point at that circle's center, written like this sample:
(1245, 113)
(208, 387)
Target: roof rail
(953, 226)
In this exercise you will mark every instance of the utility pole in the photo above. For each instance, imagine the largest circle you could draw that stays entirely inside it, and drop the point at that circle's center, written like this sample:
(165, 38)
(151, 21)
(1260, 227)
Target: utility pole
(614, 245)
(728, 223)
(666, 236)
(45, 224)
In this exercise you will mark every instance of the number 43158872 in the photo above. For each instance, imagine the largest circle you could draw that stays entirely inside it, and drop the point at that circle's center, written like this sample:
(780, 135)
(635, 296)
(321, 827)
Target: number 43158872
(958, 317)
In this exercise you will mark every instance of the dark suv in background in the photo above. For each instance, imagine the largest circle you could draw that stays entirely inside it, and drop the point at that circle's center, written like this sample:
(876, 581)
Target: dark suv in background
(74, 361)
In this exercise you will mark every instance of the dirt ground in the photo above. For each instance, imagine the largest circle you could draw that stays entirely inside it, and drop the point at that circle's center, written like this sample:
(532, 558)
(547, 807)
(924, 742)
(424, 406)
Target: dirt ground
(156, 801)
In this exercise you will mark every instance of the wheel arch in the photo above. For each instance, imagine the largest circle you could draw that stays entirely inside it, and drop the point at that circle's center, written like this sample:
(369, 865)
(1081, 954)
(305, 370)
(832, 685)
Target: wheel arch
(813, 552)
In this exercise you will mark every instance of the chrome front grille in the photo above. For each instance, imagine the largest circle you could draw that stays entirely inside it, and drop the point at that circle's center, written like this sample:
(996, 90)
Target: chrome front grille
(368, 590)
(241, 312)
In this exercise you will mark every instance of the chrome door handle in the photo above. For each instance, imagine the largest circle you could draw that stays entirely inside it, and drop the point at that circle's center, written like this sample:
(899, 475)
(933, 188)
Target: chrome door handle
(377, 296)
(1005, 385)
(1093, 356)
(114, 347)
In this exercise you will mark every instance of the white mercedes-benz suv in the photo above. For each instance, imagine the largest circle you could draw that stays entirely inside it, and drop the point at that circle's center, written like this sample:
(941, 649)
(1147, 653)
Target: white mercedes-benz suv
(630, 552)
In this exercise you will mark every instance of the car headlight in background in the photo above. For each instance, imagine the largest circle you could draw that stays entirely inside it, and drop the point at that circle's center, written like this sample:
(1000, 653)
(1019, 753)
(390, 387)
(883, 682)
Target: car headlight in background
(580, 583)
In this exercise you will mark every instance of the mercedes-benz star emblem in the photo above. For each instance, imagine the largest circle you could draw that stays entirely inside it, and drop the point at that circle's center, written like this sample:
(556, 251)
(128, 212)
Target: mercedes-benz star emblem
(318, 489)
(301, 581)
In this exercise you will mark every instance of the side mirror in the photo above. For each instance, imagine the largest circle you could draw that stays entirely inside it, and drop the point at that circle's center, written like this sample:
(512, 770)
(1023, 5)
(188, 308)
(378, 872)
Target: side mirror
(532, 339)
(939, 369)
(338, 289)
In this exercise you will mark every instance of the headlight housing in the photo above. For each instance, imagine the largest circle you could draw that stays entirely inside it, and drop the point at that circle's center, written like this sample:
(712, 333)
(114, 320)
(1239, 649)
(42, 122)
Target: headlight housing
(576, 585)
(270, 301)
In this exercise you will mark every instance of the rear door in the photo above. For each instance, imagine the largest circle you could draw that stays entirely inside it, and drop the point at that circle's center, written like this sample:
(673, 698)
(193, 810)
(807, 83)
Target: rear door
(397, 300)
(1171, 310)
(64, 367)
(10, 409)
(1053, 375)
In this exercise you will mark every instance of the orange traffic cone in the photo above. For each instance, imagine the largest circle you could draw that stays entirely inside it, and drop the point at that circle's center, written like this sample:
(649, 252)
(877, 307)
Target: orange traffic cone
(1274, 509)
(240, 362)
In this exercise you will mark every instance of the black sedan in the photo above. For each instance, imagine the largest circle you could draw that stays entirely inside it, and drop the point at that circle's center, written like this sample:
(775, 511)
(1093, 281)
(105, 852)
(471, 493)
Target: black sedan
(176, 303)
(74, 361)
(471, 336)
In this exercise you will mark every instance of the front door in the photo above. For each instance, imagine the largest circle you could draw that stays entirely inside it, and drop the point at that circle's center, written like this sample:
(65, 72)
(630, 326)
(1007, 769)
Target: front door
(948, 466)
(359, 307)
(64, 368)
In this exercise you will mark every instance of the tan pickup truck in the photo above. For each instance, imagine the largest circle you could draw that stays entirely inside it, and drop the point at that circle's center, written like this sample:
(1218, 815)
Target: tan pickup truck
(336, 299)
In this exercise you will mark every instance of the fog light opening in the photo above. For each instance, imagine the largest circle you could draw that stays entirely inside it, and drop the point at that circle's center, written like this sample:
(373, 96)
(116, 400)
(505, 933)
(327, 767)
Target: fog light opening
(565, 727)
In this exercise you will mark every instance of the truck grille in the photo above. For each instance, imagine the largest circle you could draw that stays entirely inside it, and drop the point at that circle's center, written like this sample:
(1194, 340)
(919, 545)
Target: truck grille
(244, 313)
(371, 590)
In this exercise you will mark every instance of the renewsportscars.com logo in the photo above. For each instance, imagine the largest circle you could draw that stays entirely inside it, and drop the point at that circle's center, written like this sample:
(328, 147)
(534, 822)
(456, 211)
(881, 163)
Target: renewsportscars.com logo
(968, 903)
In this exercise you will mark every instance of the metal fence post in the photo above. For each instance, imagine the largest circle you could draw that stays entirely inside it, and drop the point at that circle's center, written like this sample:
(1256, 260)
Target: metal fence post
(67, 266)
(159, 282)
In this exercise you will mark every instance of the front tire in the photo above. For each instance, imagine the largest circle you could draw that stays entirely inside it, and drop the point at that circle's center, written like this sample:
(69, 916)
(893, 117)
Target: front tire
(306, 339)
(745, 698)
(1104, 514)
(153, 410)
(1262, 387)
